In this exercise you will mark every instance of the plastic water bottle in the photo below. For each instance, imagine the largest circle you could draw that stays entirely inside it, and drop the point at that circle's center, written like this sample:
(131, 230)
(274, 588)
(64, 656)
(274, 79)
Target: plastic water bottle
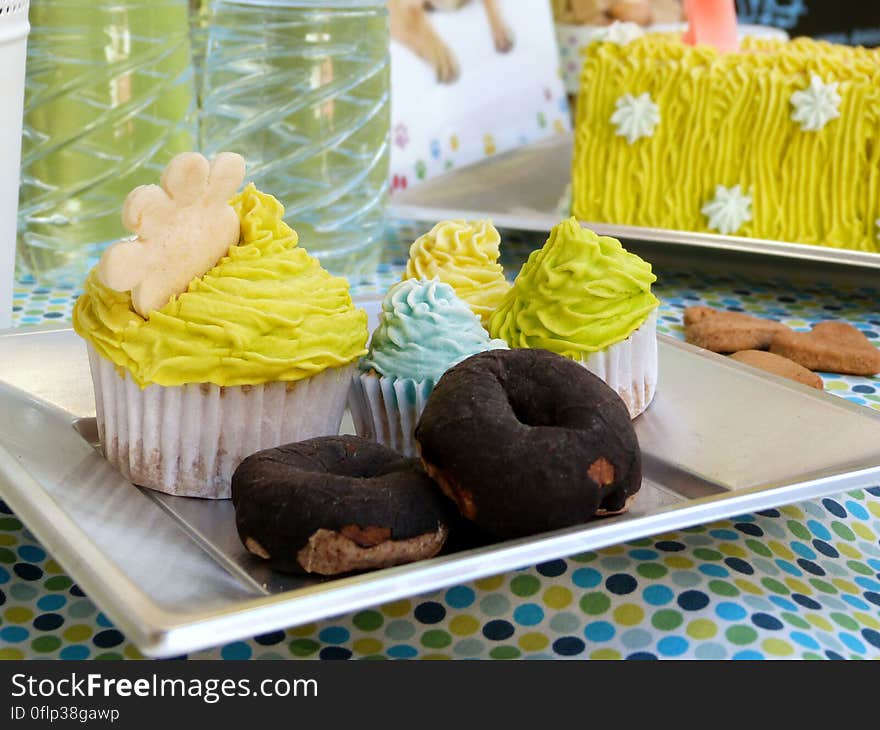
(301, 89)
(109, 100)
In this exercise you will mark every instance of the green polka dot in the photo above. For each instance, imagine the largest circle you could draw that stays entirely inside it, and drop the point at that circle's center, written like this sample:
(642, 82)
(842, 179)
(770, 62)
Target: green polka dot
(821, 585)
(303, 647)
(777, 647)
(495, 604)
(109, 656)
(666, 619)
(464, 625)
(18, 615)
(58, 583)
(864, 532)
(841, 619)
(588, 557)
(490, 584)
(436, 639)
(795, 620)
(8, 540)
(679, 561)
(81, 609)
(775, 586)
(856, 567)
(368, 620)
(436, 657)
(533, 641)
(52, 567)
(741, 635)
(759, 548)
(368, 658)
(820, 622)
(23, 591)
(9, 524)
(45, 644)
(505, 652)
(525, 585)
(367, 645)
(810, 655)
(606, 654)
(304, 630)
(701, 628)
(557, 597)
(401, 630)
(706, 554)
(7, 556)
(843, 531)
(595, 603)
(8, 653)
(629, 614)
(799, 530)
(723, 588)
(397, 608)
(651, 570)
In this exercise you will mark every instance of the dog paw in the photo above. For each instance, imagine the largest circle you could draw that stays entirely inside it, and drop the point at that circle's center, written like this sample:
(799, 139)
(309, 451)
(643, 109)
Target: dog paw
(445, 64)
(182, 227)
(503, 38)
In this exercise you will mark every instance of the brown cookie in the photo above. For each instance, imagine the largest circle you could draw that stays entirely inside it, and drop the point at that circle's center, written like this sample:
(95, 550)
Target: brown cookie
(831, 347)
(724, 332)
(778, 366)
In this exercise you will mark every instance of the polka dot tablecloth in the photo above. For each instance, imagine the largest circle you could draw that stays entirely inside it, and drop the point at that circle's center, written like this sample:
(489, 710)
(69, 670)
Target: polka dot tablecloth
(800, 581)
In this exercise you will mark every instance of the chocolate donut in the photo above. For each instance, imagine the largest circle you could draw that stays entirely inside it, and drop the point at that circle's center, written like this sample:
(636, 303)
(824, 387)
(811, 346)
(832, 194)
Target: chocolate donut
(526, 441)
(337, 504)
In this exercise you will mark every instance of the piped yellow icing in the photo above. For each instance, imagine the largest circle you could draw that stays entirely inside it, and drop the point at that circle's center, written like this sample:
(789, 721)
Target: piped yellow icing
(266, 312)
(465, 256)
(579, 293)
(726, 119)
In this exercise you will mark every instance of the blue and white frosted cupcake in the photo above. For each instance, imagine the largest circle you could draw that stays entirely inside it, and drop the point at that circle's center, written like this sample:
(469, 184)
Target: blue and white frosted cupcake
(424, 329)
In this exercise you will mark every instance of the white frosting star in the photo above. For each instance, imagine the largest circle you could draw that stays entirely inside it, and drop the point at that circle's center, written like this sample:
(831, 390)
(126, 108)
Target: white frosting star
(635, 116)
(816, 105)
(729, 210)
(618, 32)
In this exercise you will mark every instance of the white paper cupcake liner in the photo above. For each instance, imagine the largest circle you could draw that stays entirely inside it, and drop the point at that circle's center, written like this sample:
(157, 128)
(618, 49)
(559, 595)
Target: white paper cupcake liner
(187, 440)
(387, 409)
(630, 367)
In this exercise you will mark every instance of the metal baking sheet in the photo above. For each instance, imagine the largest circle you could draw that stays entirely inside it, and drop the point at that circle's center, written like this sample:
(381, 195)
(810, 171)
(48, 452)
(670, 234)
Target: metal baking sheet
(522, 189)
(720, 439)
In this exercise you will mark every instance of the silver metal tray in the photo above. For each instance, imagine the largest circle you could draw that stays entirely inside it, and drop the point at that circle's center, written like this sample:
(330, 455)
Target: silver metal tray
(522, 189)
(720, 439)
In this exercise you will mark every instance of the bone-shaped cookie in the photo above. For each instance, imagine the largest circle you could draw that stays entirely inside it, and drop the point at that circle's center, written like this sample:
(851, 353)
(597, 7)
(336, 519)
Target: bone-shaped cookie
(183, 229)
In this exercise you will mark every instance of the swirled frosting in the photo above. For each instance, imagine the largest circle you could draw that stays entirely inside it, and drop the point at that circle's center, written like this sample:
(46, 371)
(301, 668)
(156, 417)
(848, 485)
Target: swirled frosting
(465, 256)
(424, 329)
(578, 294)
(266, 312)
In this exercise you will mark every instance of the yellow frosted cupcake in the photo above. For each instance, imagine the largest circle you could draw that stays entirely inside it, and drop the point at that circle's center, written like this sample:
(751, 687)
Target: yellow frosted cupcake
(257, 349)
(465, 256)
(587, 298)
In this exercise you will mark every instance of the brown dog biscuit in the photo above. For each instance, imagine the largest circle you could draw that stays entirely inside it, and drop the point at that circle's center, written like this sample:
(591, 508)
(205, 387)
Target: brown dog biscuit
(831, 347)
(725, 332)
(778, 365)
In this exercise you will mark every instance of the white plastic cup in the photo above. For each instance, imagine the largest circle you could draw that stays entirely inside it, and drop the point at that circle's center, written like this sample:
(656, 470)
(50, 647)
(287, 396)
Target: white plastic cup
(14, 29)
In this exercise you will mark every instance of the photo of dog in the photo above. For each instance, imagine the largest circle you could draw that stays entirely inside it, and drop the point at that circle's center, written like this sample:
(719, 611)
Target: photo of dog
(411, 25)
(605, 12)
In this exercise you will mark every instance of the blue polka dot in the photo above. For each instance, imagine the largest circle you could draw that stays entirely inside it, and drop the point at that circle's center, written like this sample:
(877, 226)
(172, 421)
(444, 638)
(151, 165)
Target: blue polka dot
(857, 603)
(873, 490)
(51, 602)
(872, 637)
(460, 597)
(834, 655)
(803, 550)
(642, 656)
(874, 563)
(4, 575)
(429, 612)
(13, 634)
(672, 646)
(102, 620)
(693, 600)
(621, 584)
(740, 566)
(769, 512)
(834, 508)
(810, 567)
(867, 583)
(331, 653)
(236, 650)
(805, 601)
(852, 642)
(568, 646)
(749, 529)
(528, 614)
(783, 603)
(748, 655)
(74, 652)
(730, 611)
(715, 571)
(826, 549)
(498, 630)
(669, 546)
(724, 534)
(586, 577)
(766, 621)
(552, 568)
(643, 554)
(804, 639)
(402, 651)
(32, 553)
(873, 597)
(334, 635)
(857, 510)
(599, 631)
(788, 567)
(658, 595)
(819, 530)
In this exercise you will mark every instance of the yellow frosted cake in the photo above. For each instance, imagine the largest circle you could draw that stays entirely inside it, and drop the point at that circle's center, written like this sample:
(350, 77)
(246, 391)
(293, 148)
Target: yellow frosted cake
(780, 140)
